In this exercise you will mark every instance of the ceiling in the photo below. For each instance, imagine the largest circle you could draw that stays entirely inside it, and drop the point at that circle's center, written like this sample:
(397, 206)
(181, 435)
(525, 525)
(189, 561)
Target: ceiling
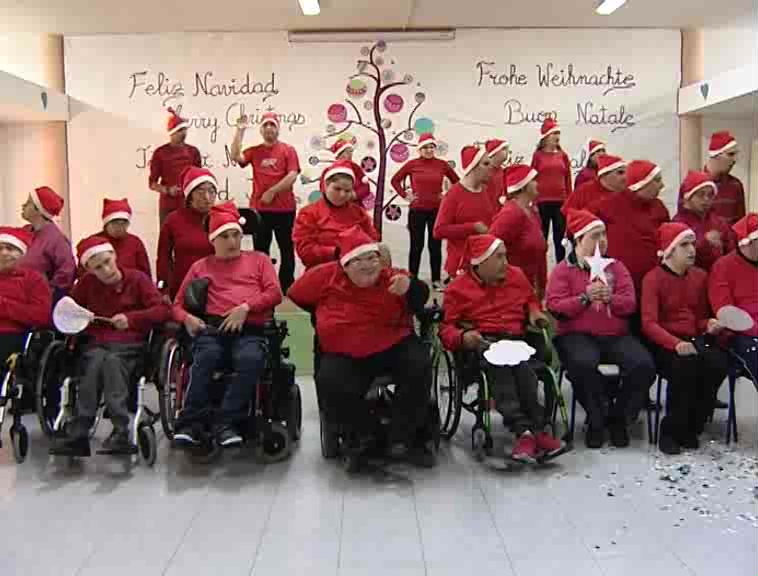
(150, 16)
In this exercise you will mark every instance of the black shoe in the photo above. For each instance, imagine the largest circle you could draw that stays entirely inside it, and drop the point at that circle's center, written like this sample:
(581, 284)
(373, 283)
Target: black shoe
(619, 435)
(423, 456)
(187, 437)
(689, 442)
(594, 438)
(118, 443)
(227, 437)
(720, 405)
(77, 447)
(669, 445)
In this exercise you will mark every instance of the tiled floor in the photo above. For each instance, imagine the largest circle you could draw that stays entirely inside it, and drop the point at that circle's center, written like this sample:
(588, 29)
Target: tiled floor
(606, 513)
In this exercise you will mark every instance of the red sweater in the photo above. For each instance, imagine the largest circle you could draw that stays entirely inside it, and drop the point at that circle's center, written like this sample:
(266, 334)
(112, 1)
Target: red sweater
(554, 179)
(585, 175)
(496, 187)
(135, 296)
(632, 225)
(360, 188)
(318, 225)
(25, 301)
(674, 307)
(270, 165)
(459, 211)
(250, 278)
(499, 309)
(707, 253)
(521, 232)
(730, 200)
(568, 282)
(426, 176)
(182, 242)
(130, 253)
(587, 194)
(734, 282)
(166, 167)
(356, 322)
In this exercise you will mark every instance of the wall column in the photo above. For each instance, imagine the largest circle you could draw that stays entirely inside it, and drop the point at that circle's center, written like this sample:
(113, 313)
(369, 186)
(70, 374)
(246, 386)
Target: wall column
(690, 125)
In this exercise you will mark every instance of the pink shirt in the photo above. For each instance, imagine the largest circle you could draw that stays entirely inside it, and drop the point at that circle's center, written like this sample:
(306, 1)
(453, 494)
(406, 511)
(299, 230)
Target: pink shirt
(50, 254)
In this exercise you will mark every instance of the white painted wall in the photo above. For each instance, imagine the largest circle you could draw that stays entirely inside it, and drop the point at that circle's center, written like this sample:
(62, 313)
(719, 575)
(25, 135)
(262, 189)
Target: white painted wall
(730, 47)
(23, 55)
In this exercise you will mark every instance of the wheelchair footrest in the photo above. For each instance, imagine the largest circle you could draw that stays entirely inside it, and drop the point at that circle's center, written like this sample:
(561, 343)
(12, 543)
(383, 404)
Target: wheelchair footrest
(129, 452)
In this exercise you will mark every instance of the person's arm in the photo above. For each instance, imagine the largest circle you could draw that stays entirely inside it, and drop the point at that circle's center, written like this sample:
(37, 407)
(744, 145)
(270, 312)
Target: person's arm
(305, 238)
(178, 312)
(306, 291)
(164, 264)
(156, 169)
(367, 225)
(536, 160)
(361, 189)
(398, 180)
(703, 311)
(650, 315)
(445, 227)
(270, 293)
(740, 210)
(417, 295)
(197, 159)
(64, 266)
(154, 311)
(450, 331)
(560, 300)
(507, 226)
(235, 149)
(143, 262)
(719, 290)
(567, 175)
(533, 304)
(293, 169)
(450, 174)
(623, 299)
(33, 307)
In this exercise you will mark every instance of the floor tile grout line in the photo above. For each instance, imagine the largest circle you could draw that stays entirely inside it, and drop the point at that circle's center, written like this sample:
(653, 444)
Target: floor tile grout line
(191, 523)
(266, 523)
(418, 529)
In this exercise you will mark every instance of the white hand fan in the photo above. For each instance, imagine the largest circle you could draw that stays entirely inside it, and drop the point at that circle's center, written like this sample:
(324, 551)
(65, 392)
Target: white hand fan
(70, 318)
(508, 353)
(734, 319)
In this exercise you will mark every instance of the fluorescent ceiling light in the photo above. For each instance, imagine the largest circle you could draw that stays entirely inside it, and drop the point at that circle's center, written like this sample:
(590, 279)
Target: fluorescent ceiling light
(387, 36)
(605, 8)
(310, 7)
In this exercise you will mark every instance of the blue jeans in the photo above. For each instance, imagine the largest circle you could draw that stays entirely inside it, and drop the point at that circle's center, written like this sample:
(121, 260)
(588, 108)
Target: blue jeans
(244, 355)
(746, 347)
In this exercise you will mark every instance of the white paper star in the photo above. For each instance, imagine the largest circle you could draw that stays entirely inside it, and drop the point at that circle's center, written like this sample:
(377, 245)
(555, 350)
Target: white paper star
(598, 263)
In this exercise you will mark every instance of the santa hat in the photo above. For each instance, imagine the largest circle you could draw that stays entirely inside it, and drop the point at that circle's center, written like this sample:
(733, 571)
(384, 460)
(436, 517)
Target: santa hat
(639, 173)
(720, 143)
(20, 238)
(607, 163)
(193, 176)
(593, 146)
(470, 158)
(175, 122)
(579, 222)
(549, 126)
(91, 246)
(270, 118)
(695, 181)
(478, 248)
(116, 210)
(494, 146)
(222, 218)
(343, 167)
(340, 146)
(670, 235)
(354, 242)
(427, 139)
(518, 176)
(746, 229)
(47, 201)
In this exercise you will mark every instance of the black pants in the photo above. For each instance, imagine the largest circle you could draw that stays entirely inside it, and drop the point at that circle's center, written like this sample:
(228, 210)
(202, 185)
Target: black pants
(514, 389)
(692, 381)
(9, 343)
(278, 224)
(550, 212)
(343, 381)
(582, 353)
(421, 223)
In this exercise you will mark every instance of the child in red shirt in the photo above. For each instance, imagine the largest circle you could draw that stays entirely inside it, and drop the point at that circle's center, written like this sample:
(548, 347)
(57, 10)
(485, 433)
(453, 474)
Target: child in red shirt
(343, 150)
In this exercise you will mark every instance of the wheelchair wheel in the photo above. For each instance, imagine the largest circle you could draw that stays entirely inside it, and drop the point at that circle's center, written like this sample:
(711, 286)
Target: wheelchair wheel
(52, 367)
(169, 374)
(147, 444)
(295, 413)
(20, 441)
(449, 396)
(329, 440)
(275, 443)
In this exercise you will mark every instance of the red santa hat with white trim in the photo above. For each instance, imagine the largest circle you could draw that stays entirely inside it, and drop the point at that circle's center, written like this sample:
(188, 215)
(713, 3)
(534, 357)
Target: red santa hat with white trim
(47, 201)
(579, 222)
(593, 146)
(116, 210)
(695, 181)
(340, 167)
(270, 118)
(494, 146)
(746, 229)
(517, 177)
(639, 173)
(354, 242)
(670, 235)
(175, 122)
(608, 163)
(470, 158)
(721, 142)
(92, 246)
(19, 238)
(478, 248)
(340, 146)
(426, 139)
(224, 217)
(193, 176)
(549, 126)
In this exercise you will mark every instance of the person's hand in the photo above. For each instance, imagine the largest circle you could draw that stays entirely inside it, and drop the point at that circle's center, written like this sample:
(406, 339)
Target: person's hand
(241, 122)
(686, 349)
(385, 256)
(410, 196)
(193, 324)
(120, 322)
(714, 237)
(713, 326)
(598, 292)
(539, 319)
(480, 228)
(472, 340)
(399, 284)
(234, 319)
(172, 191)
(267, 197)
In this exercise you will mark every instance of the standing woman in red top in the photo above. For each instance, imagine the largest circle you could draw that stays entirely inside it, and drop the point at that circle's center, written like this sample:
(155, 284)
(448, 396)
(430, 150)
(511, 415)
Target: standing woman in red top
(183, 239)
(594, 149)
(169, 162)
(426, 174)
(722, 156)
(275, 169)
(554, 178)
(518, 226)
(343, 150)
(497, 150)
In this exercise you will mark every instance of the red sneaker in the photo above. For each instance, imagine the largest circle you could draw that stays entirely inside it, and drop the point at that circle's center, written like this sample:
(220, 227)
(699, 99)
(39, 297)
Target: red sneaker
(525, 449)
(549, 446)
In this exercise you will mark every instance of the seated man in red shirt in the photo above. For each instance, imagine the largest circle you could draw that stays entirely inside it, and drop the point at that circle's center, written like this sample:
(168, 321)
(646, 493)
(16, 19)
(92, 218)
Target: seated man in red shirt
(676, 317)
(115, 349)
(592, 299)
(365, 327)
(610, 179)
(493, 301)
(242, 293)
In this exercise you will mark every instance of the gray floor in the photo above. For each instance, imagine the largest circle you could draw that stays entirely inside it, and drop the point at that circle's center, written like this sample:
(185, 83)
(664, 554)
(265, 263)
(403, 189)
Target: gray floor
(600, 513)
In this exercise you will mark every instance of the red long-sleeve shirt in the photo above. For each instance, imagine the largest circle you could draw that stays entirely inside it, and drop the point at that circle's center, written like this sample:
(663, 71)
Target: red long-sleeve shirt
(318, 226)
(586, 194)
(356, 322)
(496, 187)
(674, 307)
(730, 200)
(554, 178)
(586, 174)
(360, 188)
(460, 210)
(569, 281)
(135, 296)
(25, 301)
(250, 278)
(521, 232)
(426, 176)
(490, 309)
(130, 253)
(734, 282)
(707, 253)
(166, 167)
(182, 242)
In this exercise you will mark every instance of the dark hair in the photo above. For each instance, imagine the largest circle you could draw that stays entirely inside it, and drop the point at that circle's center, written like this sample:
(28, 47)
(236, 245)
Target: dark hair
(334, 177)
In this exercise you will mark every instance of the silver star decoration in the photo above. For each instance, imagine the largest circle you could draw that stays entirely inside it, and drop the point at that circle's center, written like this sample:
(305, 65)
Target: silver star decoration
(598, 263)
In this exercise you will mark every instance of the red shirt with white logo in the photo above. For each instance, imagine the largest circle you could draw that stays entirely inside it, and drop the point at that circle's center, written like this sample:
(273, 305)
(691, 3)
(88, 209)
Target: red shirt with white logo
(270, 165)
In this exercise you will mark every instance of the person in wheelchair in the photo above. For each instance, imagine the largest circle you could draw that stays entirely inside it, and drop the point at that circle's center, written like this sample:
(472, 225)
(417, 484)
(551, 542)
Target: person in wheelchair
(242, 292)
(492, 301)
(365, 327)
(677, 319)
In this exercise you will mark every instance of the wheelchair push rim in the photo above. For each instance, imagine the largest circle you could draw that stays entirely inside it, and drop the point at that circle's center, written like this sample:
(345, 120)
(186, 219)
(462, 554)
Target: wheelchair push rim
(448, 395)
(47, 388)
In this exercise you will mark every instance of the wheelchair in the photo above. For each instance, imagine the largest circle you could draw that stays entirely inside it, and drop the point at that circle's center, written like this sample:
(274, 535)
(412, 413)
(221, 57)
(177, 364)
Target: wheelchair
(61, 368)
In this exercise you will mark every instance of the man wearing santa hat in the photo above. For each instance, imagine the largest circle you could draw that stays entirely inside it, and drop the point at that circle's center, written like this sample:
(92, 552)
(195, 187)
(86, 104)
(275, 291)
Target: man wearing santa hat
(592, 298)
(467, 208)
(714, 235)
(116, 347)
(593, 150)
(117, 216)
(365, 327)
(343, 151)
(243, 291)
(722, 156)
(427, 175)
(733, 283)
(168, 163)
(50, 251)
(677, 319)
(497, 150)
(275, 168)
(493, 301)
(610, 178)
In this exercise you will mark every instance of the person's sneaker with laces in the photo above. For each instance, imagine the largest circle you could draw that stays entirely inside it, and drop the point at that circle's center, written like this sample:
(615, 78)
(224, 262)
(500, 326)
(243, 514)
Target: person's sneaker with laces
(525, 449)
(118, 443)
(228, 438)
(186, 436)
(549, 446)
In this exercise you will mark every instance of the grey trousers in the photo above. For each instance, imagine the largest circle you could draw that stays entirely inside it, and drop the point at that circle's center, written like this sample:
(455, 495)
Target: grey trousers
(514, 389)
